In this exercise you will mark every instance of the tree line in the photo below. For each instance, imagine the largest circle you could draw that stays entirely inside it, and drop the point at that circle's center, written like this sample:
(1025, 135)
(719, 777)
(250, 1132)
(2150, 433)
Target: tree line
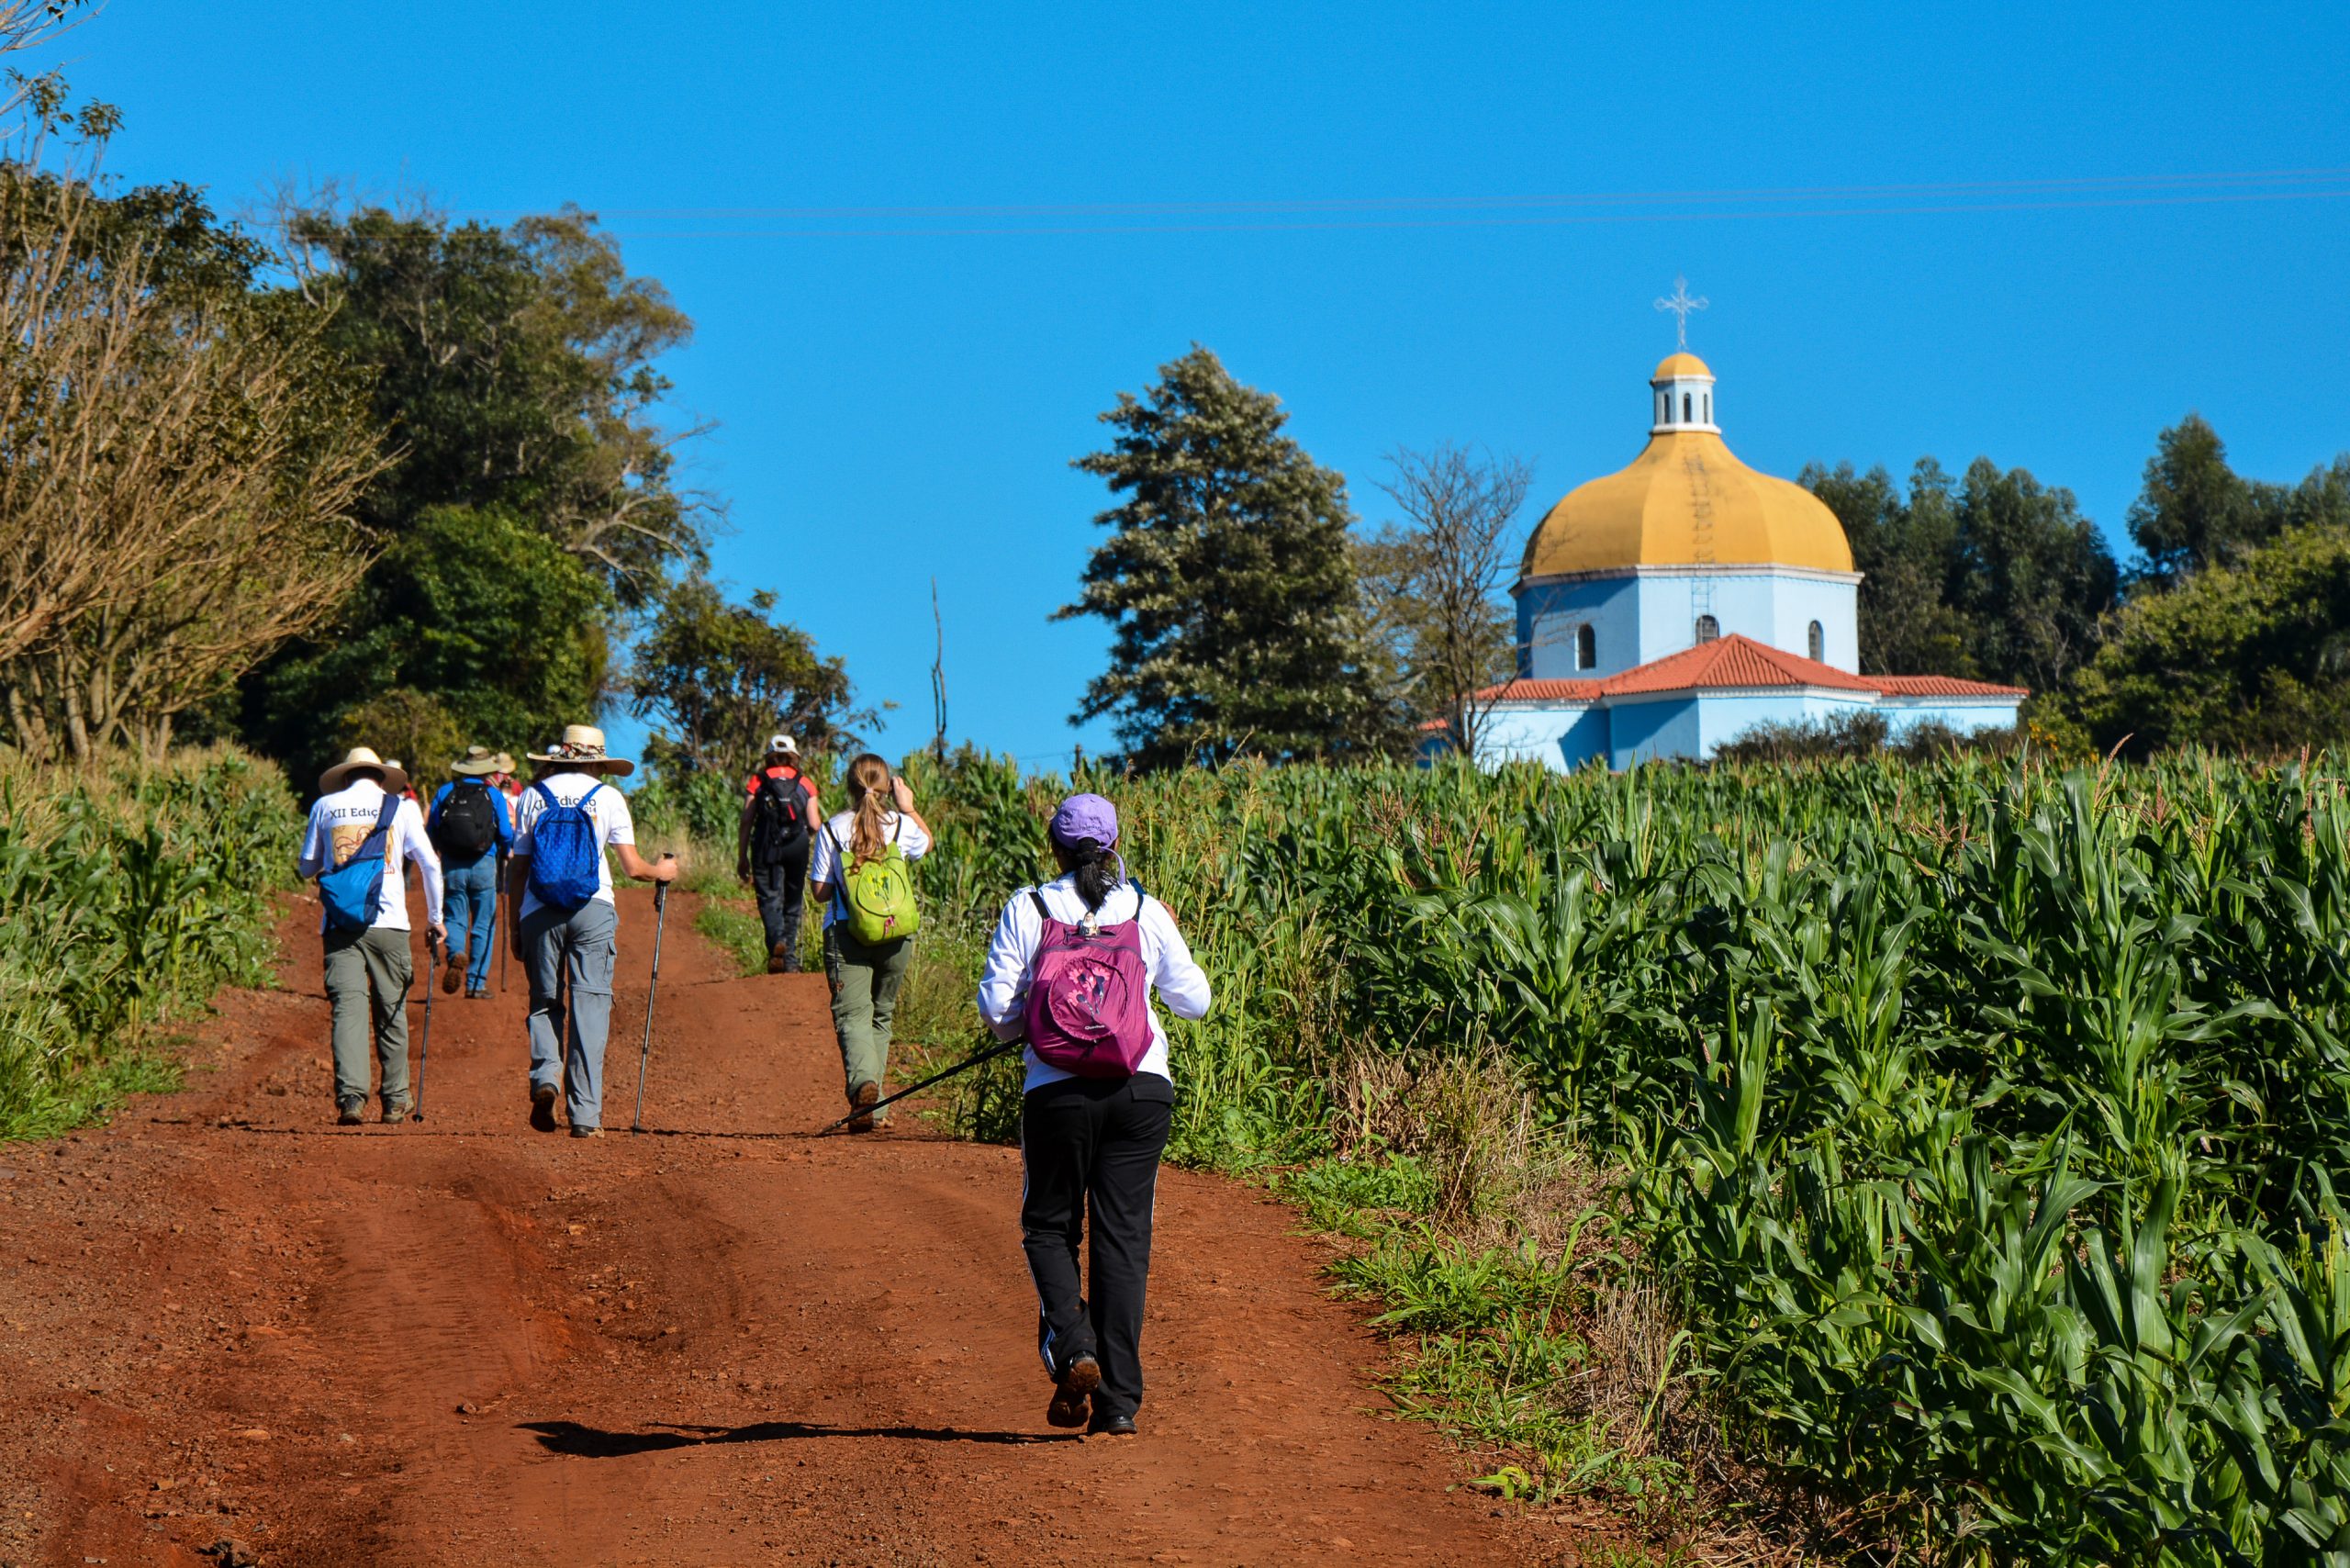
(1252, 616)
(359, 473)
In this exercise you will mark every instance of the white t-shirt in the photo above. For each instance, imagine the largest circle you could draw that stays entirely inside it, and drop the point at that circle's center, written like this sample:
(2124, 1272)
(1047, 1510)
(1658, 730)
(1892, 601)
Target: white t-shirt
(823, 866)
(608, 810)
(1003, 983)
(341, 823)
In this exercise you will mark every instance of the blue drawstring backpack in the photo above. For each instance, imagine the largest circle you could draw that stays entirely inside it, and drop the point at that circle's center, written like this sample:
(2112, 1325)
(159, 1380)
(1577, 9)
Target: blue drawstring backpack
(567, 851)
(350, 891)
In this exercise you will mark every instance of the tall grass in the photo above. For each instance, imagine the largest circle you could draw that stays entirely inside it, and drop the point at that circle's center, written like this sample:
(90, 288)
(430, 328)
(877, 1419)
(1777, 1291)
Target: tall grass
(128, 893)
(1975, 1127)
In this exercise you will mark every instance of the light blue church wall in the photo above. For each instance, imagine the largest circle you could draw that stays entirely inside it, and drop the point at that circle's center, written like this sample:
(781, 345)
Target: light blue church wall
(1645, 613)
(1966, 716)
(1563, 738)
(1648, 732)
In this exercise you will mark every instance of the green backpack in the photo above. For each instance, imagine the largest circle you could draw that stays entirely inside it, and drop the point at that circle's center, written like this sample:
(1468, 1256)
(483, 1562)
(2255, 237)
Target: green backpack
(879, 894)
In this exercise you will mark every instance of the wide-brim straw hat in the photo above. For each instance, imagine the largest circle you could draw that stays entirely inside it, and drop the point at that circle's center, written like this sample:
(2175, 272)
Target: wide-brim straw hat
(505, 762)
(476, 763)
(394, 776)
(582, 747)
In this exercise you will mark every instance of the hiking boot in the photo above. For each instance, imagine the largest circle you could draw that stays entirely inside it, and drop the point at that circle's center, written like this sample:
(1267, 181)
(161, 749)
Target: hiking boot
(862, 1102)
(397, 1109)
(586, 1131)
(1110, 1426)
(349, 1113)
(542, 1108)
(1073, 1395)
(452, 975)
(779, 960)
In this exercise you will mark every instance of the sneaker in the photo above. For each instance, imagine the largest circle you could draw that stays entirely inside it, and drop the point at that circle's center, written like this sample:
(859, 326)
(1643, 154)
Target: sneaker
(862, 1102)
(397, 1109)
(1074, 1394)
(476, 993)
(586, 1131)
(779, 960)
(349, 1113)
(452, 974)
(1110, 1426)
(542, 1108)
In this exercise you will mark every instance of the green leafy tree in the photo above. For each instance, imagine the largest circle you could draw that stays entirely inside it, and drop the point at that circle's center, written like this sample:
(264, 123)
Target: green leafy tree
(1906, 547)
(1229, 579)
(2254, 656)
(717, 679)
(2195, 511)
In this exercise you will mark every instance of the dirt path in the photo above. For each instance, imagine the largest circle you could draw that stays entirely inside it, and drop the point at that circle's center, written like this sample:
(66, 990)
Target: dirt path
(726, 1342)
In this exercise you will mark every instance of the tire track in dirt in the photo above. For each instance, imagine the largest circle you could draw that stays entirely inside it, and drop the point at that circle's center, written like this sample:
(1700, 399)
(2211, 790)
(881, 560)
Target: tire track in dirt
(725, 1341)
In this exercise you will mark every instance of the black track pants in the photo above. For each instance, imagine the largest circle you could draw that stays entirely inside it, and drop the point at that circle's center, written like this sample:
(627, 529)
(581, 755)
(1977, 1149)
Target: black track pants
(1091, 1148)
(782, 888)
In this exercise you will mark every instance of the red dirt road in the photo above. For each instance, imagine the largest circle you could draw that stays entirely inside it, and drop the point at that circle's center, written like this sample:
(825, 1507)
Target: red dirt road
(723, 1342)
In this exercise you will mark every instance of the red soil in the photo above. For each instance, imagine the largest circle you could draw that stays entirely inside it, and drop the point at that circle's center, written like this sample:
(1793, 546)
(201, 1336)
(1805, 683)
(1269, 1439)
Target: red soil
(724, 1342)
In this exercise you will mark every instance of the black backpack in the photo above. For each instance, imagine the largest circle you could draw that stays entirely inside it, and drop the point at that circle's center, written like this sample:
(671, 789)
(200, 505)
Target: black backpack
(782, 820)
(468, 821)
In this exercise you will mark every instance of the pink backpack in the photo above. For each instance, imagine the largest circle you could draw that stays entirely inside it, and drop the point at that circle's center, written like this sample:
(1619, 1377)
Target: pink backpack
(1088, 995)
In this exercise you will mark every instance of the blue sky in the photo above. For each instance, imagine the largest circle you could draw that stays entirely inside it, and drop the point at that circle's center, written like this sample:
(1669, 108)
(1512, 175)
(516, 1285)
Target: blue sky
(925, 246)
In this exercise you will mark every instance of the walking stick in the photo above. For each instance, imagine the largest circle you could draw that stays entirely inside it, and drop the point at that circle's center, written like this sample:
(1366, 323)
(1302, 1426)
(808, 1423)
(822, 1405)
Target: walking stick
(1006, 1049)
(424, 1046)
(660, 918)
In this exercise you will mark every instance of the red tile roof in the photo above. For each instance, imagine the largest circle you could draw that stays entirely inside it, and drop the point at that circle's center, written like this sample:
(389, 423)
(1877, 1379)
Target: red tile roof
(1739, 662)
(1940, 686)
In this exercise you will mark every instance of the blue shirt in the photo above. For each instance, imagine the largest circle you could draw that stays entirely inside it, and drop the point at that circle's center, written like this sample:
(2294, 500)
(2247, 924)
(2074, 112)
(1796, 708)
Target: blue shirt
(503, 815)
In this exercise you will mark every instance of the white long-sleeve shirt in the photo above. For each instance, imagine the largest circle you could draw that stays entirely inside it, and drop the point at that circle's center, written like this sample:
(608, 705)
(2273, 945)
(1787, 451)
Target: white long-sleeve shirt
(339, 823)
(1011, 952)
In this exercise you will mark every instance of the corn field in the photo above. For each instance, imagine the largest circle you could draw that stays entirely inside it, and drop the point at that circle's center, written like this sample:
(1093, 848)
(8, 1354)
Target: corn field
(1984, 1122)
(128, 893)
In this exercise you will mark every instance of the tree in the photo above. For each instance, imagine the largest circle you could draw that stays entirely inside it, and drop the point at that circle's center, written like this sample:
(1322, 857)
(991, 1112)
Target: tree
(2254, 656)
(1906, 548)
(719, 678)
(1228, 580)
(183, 463)
(1440, 579)
(2196, 512)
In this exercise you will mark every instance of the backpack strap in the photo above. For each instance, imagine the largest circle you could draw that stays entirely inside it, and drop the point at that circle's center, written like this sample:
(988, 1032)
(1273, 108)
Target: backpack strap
(1036, 897)
(1141, 897)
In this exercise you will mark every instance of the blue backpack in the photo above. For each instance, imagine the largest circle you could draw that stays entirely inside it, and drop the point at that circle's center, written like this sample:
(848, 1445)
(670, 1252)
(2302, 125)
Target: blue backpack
(350, 891)
(567, 851)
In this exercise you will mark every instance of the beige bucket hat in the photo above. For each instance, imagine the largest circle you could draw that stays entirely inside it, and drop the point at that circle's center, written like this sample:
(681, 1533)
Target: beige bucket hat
(582, 747)
(476, 763)
(394, 778)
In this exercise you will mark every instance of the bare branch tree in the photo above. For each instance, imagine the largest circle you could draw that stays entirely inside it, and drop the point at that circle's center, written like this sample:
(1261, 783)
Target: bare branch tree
(1446, 568)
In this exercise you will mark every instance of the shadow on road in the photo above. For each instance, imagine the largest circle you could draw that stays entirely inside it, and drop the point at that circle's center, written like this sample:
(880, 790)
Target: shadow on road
(592, 1442)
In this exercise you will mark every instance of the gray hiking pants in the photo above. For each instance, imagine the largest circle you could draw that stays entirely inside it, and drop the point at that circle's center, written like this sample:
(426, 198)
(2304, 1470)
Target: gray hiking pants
(368, 974)
(865, 983)
(576, 949)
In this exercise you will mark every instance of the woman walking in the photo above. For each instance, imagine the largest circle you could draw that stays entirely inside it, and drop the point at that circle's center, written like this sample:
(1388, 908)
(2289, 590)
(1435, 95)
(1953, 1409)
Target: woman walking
(1072, 964)
(860, 860)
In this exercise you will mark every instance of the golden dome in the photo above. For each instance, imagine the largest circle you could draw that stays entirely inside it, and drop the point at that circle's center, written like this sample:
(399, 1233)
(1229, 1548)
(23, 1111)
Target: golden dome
(1649, 514)
(1675, 365)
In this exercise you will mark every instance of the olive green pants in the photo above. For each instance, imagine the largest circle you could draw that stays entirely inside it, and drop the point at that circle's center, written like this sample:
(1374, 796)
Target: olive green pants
(368, 974)
(864, 982)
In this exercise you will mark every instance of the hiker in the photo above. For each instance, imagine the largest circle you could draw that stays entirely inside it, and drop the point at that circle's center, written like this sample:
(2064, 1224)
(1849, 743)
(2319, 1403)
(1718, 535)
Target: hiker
(564, 927)
(1071, 966)
(503, 779)
(473, 827)
(361, 828)
(859, 868)
(771, 846)
(407, 792)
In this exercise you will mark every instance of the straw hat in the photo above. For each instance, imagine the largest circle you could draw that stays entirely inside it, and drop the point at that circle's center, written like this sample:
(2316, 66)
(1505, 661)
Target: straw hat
(476, 763)
(395, 780)
(582, 747)
(505, 762)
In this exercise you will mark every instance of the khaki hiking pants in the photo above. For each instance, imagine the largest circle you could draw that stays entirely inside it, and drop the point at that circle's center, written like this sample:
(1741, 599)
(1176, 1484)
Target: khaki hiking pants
(368, 974)
(864, 982)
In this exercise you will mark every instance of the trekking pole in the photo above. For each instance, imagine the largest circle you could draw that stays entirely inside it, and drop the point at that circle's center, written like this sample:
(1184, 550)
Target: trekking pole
(424, 1046)
(966, 1065)
(660, 918)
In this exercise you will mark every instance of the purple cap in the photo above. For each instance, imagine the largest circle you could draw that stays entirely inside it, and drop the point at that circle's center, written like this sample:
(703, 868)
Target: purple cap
(1085, 816)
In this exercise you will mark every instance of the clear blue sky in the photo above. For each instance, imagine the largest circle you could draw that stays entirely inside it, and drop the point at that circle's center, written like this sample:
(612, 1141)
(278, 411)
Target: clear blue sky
(925, 245)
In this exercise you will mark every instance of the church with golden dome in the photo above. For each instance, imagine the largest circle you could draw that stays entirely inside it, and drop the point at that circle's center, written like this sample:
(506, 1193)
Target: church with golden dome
(1672, 606)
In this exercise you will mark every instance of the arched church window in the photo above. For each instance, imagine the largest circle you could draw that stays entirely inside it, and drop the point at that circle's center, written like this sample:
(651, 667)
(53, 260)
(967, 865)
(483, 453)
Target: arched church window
(1586, 647)
(1708, 628)
(1684, 408)
(1709, 407)
(1818, 643)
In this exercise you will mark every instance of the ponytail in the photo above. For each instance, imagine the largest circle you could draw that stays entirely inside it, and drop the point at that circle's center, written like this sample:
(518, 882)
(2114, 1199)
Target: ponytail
(1097, 870)
(869, 792)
